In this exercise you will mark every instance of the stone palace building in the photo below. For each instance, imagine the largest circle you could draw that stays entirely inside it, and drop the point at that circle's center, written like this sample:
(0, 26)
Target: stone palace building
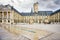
(9, 15)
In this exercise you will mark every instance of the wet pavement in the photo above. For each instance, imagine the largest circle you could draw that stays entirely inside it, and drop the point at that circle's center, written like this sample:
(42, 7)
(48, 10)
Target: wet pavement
(5, 35)
(55, 36)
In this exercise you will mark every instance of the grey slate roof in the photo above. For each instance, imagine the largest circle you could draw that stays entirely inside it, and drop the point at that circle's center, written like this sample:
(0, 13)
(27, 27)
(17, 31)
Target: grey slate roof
(44, 13)
(12, 8)
(55, 12)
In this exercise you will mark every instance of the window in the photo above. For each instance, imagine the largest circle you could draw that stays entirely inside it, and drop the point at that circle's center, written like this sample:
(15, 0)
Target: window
(0, 12)
(8, 12)
(8, 20)
(0, 20)
(5, 13)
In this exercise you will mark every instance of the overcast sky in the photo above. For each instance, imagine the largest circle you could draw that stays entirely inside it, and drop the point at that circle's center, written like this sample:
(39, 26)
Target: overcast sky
(26, 5)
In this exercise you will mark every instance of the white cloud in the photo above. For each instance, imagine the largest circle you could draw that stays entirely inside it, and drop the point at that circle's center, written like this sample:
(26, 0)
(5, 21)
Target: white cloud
(49, 4)
(4, 1)
(26, 5)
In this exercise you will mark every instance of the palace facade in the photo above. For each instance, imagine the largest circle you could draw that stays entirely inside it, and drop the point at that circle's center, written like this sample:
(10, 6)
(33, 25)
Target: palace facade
(55, 17)
(9, 15)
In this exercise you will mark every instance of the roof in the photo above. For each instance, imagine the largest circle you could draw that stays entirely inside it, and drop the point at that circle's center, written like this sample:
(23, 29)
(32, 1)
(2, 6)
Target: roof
(4, 7)
(44, 13)
(12, 8)
(16, 10)
(55, 12)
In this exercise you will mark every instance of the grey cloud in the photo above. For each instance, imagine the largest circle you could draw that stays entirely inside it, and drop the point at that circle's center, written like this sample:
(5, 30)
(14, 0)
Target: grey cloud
(43, 4)
(52, 6)
(26, 5)
(55, 5)
(57, 2)
(49, 4)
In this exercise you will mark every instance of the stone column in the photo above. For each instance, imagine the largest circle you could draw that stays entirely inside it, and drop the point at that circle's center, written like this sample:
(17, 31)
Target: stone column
(54, 18)
(38, 19)
(58, 17)
(24, 19)
(7, 18)
(10, 18)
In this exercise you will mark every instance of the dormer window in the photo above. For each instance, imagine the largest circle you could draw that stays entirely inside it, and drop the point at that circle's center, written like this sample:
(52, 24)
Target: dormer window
(0, 12)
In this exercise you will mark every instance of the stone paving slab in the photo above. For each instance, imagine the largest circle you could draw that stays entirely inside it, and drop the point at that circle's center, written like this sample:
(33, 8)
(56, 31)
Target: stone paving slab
(28, 32)
(55, 36)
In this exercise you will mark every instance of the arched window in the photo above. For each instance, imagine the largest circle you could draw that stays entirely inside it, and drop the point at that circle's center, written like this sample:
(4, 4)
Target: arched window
(0, 14)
